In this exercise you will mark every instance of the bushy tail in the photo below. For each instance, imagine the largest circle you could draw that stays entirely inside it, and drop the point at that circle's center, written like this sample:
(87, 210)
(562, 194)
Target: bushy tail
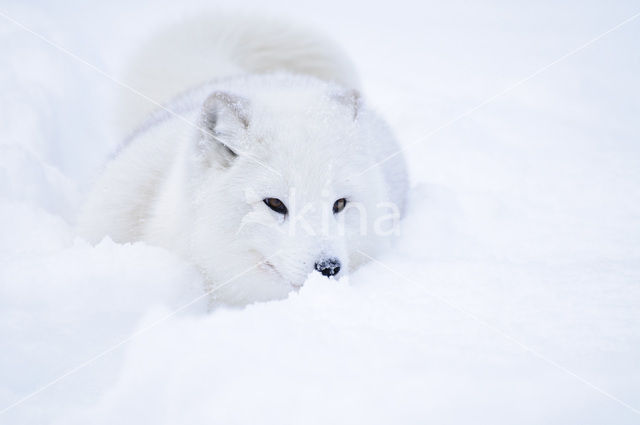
(202, 49)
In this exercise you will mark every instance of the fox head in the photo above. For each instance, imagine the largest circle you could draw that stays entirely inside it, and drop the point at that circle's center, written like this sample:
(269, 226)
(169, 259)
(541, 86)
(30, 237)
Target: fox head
(286, 181)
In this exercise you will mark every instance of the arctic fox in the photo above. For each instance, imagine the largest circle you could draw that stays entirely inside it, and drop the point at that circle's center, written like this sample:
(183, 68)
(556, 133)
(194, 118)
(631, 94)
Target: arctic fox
(263, 165)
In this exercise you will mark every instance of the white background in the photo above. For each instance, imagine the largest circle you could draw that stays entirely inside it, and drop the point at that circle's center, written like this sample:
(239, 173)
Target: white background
(513, 296)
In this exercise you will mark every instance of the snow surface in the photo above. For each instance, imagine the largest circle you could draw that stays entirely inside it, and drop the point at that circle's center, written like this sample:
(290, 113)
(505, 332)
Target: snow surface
(513, 296)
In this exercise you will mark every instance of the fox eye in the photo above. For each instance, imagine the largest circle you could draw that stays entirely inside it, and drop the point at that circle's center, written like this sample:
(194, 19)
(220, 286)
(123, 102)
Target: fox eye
(276, 204)
(339, 205)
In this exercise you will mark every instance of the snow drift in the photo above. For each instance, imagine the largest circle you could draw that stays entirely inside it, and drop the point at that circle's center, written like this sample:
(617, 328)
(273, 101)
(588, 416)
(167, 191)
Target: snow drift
(512, 296)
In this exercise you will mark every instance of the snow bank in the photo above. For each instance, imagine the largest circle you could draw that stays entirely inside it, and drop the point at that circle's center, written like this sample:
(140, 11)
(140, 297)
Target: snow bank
(512, 296)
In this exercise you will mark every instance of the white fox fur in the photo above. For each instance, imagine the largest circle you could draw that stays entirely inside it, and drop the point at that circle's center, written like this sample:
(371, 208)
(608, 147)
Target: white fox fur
(189, 53)
(260, 110)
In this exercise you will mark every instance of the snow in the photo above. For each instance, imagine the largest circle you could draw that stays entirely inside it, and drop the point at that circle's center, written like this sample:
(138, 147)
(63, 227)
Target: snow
(512, 296)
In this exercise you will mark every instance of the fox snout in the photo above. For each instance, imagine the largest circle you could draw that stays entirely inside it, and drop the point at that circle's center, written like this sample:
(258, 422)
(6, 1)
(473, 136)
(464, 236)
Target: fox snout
(328, 267)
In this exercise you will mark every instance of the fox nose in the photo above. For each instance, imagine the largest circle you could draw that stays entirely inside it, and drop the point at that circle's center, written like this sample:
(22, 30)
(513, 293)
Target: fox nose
(328, 267)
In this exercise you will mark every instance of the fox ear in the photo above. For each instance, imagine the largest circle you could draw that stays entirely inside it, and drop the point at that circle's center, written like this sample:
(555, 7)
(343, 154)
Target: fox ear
(350, 98)
(224, 118)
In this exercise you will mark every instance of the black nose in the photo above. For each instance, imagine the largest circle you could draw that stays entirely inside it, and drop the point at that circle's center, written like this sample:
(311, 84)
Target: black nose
(328, 267)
